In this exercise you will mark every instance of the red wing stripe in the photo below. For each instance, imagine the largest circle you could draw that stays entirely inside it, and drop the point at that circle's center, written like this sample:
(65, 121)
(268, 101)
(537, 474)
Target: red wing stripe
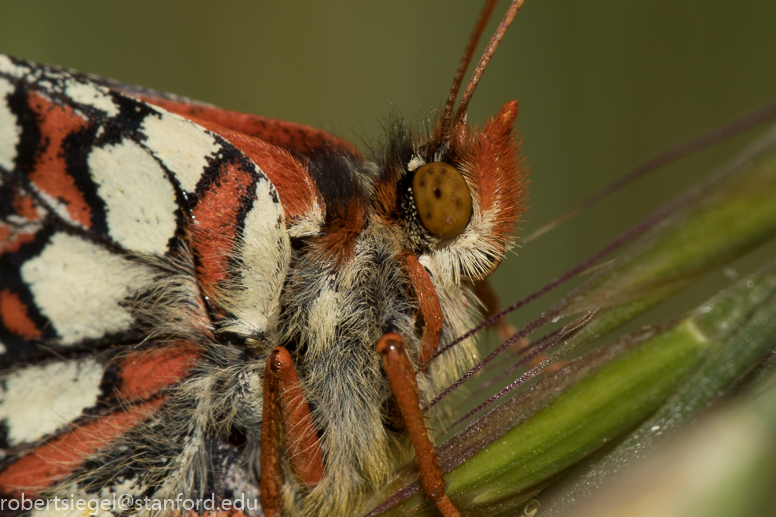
(144, 373)
(296, 137)
(239, 236)
(216, 217)
(131, 173)
(11, 240)
(77, 88)
(15, 318)
(25, 206)
(90, 169)
(52, 462)
(296, 188)
(49, 175)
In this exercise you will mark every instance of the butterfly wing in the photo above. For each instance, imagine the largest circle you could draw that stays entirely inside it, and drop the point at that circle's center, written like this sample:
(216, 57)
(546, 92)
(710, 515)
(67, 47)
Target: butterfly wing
(131, 239)
(298, 139)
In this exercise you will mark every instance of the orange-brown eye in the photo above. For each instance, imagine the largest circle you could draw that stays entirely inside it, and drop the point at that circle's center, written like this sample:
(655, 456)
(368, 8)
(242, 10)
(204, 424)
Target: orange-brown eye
(442, 199)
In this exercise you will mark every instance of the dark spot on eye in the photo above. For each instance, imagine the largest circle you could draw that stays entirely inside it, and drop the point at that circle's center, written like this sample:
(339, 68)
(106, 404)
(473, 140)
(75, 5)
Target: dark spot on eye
(443, 200)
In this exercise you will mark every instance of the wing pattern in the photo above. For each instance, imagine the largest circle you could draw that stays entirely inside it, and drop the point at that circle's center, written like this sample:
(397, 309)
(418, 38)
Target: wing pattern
(133, 243)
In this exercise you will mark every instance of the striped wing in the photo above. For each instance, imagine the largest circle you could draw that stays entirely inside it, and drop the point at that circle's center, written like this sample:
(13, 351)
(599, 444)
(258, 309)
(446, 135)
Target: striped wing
(131, 240)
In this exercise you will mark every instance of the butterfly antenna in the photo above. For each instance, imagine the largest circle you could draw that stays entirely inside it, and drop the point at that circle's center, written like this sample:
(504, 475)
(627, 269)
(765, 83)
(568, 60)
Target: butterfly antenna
(483, 64)
(471, 46)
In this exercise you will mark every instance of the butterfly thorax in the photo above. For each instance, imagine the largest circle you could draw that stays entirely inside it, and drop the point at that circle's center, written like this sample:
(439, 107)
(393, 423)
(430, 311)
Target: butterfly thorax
(346, 287)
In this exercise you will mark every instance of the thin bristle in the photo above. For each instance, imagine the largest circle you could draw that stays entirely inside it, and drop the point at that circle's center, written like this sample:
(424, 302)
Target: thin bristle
(687, 148)
(618, 243)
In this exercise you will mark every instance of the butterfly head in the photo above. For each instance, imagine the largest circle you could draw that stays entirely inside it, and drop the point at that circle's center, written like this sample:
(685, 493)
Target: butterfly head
(461, 189)
(457, 196)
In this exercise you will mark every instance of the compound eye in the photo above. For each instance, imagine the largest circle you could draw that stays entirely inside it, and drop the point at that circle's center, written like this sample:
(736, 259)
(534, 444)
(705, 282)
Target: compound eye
(442, 198)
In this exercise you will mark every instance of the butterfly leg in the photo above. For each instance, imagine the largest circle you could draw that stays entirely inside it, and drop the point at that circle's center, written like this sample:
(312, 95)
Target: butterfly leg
(404, 386)
(284, 402)
(428, 304)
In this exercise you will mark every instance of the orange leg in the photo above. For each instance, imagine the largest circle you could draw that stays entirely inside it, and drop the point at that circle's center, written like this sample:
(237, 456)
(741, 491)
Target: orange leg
(404, 385)
(428, 304)
(284, 402)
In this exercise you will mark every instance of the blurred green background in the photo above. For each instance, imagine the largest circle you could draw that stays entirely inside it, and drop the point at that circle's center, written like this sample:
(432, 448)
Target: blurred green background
(602, 84)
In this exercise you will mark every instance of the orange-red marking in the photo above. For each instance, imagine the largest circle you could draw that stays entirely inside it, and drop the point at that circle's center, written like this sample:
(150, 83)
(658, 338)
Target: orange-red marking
(498, 178)
(284, 400)
(13, 312)
(342, 230)
(404, 386)
(144, 373)
(11, 240)
(50, 463)
(215, 221)
(296, 188)
(49, 173)
(25, 207)
(280, 133)
(428, 303)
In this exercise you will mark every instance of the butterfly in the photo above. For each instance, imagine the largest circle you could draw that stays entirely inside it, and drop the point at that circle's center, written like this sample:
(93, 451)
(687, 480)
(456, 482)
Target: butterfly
(197, 303)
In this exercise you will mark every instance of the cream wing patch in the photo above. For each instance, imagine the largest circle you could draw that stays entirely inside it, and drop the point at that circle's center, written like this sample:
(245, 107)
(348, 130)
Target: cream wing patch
(37, 400)
(9, 67)
(265, 252)
(10, 130)
(91, 95)
(81, 287)
(139, 199)
(182, 146)
(79, 90)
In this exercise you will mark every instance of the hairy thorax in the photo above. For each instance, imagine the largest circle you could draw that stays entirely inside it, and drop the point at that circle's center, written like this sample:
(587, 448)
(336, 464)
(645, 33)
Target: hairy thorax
(333, 313)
